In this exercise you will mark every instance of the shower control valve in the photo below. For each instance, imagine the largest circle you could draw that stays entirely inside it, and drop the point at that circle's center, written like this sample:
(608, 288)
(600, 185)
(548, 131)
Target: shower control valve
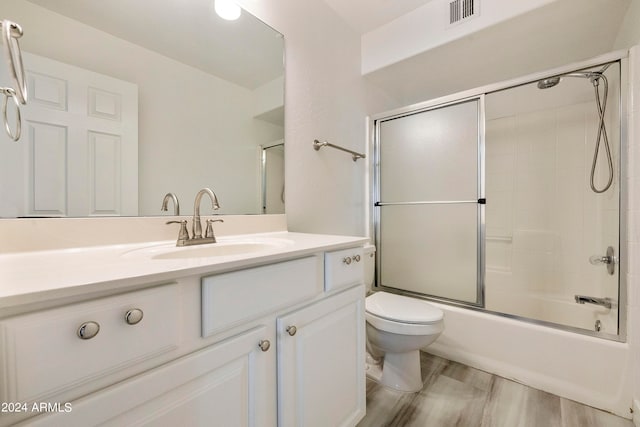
(609, 260)
(597, 259)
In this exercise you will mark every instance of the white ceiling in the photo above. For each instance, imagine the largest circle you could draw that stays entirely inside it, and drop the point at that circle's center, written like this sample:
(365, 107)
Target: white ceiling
(246, 52)
(366, 15)
(250, 54)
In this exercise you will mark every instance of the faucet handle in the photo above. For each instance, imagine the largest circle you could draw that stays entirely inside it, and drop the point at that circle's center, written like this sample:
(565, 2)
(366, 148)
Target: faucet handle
(209, 232)
(183, 235)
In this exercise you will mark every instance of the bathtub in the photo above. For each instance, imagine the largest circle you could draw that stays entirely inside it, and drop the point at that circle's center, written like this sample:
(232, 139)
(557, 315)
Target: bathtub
(556, 308)
(586, 369)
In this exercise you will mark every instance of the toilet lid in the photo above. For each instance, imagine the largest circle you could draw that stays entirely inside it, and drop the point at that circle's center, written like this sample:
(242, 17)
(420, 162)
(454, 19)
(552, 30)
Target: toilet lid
(402, 309)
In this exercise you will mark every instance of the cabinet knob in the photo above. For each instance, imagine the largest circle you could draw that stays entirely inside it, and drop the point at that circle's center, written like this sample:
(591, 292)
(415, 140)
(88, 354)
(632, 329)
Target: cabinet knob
(133, 316)
(264, 345)
(291, 330)
(347, 260)
(88, 330)
(357, 258)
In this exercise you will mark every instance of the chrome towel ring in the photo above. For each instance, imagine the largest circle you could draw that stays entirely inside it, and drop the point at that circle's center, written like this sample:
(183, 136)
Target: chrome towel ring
(10, 93)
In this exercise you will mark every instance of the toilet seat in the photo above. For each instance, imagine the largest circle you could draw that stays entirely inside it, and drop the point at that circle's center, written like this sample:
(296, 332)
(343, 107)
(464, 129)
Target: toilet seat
(403, 315)
(402, 309)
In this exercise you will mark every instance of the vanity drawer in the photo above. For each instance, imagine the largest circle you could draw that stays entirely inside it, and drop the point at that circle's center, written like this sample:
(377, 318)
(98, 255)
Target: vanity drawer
(230, 299)
(44, 356)
(343, 268)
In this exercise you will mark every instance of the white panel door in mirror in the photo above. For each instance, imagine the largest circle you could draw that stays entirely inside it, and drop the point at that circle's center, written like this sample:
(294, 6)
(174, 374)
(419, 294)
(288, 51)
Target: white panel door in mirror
(83, 132)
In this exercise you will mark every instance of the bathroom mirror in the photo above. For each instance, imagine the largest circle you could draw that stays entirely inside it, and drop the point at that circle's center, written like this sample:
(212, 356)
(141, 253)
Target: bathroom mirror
(133, 100)
(273, 178)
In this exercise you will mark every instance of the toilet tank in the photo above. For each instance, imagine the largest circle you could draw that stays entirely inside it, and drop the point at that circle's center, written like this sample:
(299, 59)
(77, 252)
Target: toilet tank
(369, 253)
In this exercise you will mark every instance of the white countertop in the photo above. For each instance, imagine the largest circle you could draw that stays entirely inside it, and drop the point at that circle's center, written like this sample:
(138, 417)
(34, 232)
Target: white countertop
(31, 278)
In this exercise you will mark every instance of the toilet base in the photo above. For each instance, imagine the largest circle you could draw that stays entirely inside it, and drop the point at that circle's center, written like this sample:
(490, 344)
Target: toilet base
(400, 371)
(374, 370)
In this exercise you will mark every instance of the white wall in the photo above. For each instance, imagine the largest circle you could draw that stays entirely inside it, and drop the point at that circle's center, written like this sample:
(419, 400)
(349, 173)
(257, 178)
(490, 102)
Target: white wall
(633, 228)
(178, 106)
(629, 34)
(325, 99)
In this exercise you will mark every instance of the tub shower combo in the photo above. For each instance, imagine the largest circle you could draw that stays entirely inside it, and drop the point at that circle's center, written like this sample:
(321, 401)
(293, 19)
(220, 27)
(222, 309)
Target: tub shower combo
(506, 198)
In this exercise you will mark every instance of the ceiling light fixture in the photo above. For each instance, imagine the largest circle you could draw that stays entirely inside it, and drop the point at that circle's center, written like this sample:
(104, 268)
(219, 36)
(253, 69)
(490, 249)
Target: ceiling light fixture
(227, 9)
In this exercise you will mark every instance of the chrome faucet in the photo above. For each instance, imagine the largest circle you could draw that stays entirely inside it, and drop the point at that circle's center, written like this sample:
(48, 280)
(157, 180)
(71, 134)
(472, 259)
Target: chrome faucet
(196, 226)
(605, 302)
(176, 204)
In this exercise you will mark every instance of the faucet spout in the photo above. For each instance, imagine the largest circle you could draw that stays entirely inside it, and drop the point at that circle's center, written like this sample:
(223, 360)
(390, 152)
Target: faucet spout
(196, 224)
(605, 302)
(176, 204)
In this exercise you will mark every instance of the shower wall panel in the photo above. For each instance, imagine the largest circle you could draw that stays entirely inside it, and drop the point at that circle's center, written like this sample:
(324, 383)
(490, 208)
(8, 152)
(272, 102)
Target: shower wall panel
(543, 222)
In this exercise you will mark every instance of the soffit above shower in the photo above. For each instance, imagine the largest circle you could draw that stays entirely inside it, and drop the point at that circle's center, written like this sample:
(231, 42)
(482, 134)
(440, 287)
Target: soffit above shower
(430, 26)
(554, 34)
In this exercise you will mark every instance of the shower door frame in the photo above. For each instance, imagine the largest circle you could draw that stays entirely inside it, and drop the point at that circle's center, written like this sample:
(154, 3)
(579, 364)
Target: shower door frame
(480, 242)
(479, 93)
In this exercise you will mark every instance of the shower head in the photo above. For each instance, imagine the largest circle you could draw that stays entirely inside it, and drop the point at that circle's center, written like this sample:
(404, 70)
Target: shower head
(552, 81)
(547, 83)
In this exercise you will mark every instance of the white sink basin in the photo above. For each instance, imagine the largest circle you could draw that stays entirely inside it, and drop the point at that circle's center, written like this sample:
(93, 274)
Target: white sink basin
(224, 247)
(212, 250)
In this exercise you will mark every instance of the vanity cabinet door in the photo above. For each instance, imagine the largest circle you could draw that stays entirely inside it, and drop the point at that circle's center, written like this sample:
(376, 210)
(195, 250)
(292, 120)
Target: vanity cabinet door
(321, 373)
(231, 383)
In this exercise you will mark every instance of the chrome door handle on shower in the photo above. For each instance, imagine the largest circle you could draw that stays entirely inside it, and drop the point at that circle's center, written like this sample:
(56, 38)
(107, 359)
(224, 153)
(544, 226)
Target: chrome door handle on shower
(609, 260)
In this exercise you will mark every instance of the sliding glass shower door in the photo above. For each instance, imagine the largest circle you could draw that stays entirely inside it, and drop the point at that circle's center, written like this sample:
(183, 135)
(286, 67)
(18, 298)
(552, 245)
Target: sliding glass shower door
(430, 206)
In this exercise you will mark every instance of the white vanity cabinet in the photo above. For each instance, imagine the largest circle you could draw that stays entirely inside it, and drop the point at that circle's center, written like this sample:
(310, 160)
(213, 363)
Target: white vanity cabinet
(277, 344)
(321, 359)
(226, 384)
(320, 345)
(60, 354)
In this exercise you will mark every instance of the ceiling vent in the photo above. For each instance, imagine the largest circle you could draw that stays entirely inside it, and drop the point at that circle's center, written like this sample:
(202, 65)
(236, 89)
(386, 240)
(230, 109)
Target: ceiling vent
(461, 10)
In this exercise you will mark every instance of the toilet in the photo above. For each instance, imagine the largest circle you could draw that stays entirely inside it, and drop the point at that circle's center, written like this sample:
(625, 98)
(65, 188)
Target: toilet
(397, 328)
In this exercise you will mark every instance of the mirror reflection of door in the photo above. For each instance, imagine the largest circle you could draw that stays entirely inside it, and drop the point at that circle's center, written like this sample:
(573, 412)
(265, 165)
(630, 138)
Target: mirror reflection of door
(273, 178)
(79, 153)
(209, 92)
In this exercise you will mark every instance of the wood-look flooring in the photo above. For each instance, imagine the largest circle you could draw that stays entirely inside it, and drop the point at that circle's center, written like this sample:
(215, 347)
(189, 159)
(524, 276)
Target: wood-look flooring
(457, 395)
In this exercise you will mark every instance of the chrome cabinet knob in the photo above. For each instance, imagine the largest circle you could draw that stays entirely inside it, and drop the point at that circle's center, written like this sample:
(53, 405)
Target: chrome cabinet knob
(264, 345)
(356, 258)
(88, 330)
(347, 260)
(291, 330)
(133, 316)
